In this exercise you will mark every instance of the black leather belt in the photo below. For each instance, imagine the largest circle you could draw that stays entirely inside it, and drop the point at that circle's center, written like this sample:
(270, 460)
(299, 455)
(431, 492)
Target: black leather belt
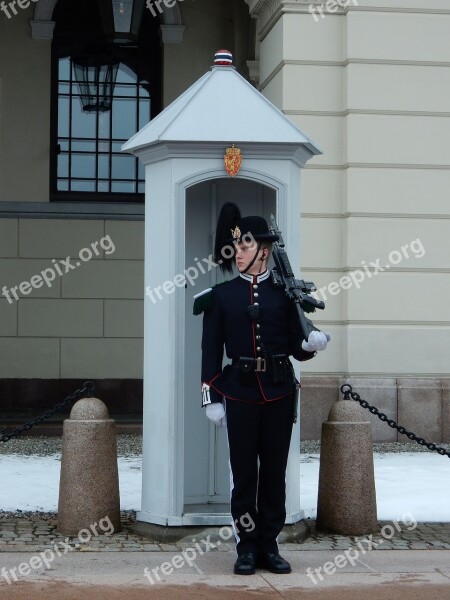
(247, 364)
(278, 367)
(254, 364)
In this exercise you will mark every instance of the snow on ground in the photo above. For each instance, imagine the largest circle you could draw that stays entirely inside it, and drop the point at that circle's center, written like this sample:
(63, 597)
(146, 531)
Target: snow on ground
(407, 483)
(32, 482)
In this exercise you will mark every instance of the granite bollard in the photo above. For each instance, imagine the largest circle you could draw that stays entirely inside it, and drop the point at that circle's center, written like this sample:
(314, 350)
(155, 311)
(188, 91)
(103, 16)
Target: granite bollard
(346, 502)
(89, 481)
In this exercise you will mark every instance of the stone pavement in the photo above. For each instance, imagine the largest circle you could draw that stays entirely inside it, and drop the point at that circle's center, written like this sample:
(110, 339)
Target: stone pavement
(34, 532)
(394, 574)
(414, 565)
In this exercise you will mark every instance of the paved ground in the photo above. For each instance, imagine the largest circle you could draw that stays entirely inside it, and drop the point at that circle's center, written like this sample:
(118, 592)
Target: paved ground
(399, 575)
(38, 563)
(34, 533)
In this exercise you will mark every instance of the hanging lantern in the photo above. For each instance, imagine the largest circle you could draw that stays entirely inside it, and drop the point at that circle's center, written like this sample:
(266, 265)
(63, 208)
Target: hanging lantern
(121, 19)
(95, 79)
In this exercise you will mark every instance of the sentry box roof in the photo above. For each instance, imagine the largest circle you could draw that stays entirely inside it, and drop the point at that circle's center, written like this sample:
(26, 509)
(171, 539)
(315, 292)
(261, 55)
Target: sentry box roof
(220, 107)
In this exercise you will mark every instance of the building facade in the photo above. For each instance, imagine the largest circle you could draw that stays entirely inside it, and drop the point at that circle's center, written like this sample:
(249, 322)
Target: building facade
(367, 80)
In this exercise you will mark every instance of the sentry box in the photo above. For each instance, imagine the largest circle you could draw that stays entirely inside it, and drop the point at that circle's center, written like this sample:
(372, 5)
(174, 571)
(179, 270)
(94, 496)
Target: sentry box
(185, 457)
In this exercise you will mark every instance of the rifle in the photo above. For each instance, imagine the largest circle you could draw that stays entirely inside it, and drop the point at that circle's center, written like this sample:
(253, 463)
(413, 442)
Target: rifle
(296, 290)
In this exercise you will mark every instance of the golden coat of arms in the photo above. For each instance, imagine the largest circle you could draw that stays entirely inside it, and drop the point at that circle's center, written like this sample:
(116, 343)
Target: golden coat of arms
(232, 160)
(236, 233)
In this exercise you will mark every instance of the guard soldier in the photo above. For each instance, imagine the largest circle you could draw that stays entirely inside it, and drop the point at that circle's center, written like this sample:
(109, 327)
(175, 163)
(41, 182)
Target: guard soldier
(254, 396)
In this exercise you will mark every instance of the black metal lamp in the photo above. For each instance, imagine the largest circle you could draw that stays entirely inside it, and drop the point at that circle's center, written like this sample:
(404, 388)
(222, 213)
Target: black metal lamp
(95, 69)
(121, 19)
(95, 78)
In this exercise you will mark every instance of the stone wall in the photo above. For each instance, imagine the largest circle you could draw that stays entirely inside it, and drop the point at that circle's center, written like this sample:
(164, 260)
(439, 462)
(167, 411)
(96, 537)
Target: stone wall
(421, 405)
(88, 322)
(365, 83)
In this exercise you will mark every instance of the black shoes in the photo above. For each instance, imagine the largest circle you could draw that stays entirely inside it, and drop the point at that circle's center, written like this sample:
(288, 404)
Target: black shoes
(274, 563)
(245, 564)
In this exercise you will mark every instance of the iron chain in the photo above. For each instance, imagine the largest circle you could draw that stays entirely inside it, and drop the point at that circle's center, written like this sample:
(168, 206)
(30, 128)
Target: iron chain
(86, 391)
(348, 392)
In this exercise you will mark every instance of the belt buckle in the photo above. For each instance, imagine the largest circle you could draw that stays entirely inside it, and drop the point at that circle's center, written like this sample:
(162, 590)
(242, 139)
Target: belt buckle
(260, 365)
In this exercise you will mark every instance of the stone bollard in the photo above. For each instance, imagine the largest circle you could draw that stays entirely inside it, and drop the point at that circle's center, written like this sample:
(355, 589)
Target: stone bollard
(89, 481)
(346, 502)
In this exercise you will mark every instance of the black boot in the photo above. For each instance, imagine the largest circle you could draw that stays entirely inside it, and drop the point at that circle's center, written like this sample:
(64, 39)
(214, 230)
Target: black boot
(245, 564)
(274, 563)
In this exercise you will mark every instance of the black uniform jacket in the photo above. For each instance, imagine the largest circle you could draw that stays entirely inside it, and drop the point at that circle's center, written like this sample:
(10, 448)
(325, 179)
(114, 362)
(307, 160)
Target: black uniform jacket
(227, 323)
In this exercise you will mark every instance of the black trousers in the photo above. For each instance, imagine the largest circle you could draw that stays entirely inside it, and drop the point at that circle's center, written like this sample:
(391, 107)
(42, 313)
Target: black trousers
(258, 433)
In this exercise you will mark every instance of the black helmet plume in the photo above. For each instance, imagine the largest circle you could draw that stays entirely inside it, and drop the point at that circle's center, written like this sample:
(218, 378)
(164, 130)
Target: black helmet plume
(228, 218)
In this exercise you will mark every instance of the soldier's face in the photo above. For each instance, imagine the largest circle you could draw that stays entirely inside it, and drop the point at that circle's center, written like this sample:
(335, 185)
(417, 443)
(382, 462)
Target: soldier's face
(244, 254)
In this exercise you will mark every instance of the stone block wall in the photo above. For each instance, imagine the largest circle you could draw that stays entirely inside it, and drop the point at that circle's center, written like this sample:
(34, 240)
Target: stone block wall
(88, 322)
(421, 405)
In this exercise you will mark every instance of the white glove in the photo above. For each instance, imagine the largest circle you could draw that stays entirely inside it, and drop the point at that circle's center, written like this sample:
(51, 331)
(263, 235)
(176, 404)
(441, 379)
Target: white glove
(216, 413)
(317, 340)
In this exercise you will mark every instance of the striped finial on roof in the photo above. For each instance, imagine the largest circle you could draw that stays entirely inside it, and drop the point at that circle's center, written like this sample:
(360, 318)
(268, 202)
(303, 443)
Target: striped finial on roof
(223, 58)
